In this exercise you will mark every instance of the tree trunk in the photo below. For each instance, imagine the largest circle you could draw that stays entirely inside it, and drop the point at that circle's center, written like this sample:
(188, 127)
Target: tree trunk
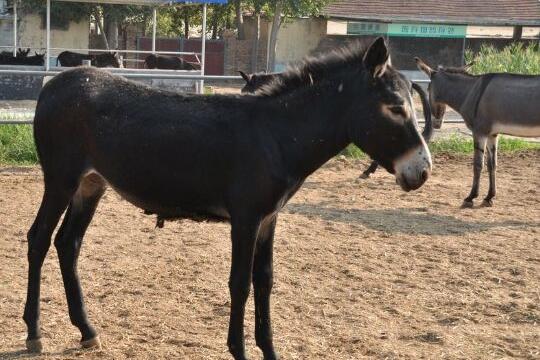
(112, 33)
(239, 20)
(100, 27)
(276, 24)
(255, 43)
(215, 19)
(228, 22)
(186, 25)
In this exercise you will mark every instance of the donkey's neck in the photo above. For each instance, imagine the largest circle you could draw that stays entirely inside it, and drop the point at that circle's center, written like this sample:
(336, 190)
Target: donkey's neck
(314, 129)
(455, 90)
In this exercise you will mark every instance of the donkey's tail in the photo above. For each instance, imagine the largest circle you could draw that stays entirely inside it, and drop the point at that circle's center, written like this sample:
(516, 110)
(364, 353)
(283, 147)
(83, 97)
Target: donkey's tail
(427, 133)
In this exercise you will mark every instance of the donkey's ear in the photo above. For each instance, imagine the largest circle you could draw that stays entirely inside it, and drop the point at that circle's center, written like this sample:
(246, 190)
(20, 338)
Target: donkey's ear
(245, 76)
(377, 58)
(422, 66)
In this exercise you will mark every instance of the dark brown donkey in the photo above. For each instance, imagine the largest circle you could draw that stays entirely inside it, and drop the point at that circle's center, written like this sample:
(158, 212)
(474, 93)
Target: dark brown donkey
(490, 104)
(225, 157)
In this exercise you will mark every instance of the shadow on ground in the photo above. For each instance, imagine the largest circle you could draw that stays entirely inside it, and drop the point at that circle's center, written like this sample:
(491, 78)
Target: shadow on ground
(403, 220)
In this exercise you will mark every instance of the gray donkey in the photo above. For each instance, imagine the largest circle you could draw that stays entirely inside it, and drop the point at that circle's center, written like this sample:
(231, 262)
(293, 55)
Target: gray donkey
(490, 104)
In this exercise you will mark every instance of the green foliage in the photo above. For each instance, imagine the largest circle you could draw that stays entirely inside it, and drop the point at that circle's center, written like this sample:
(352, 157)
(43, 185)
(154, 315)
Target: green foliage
(514, 58)
(297, 8)
(290, 8)
(354, 152)
(61, 12)
(458, 145)
(17, 145)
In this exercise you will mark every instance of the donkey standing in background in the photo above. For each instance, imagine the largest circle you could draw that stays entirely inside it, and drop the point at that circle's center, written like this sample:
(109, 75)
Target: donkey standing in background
(490, 104)
(256, 81)
(224, 157)
(71, 59)
(169, 62)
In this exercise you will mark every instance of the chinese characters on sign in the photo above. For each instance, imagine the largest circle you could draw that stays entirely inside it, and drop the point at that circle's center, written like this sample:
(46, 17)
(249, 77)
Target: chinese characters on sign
(407, 29)
(366, 28)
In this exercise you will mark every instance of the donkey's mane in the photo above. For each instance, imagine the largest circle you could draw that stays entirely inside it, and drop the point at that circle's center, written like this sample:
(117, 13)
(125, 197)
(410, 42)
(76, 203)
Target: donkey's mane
(313, 69)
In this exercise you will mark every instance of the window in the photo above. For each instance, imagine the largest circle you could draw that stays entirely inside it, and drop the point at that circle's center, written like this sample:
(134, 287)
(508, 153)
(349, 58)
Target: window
(5, 8)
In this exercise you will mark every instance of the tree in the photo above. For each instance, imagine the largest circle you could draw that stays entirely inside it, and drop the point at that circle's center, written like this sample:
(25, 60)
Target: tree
(108, 18)
(257, 5)
(282, 9)
(220, 18)
(241, 35)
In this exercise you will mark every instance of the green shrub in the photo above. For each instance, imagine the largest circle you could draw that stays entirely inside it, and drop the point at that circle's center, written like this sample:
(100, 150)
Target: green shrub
(17, 145)
(458, 145)
(514, 58)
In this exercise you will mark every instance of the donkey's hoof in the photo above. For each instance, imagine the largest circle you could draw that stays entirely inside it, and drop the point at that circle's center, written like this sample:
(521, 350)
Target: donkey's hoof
(93, 343)
(34, 346)
(487, 203)
(364, 176)
(467, 204)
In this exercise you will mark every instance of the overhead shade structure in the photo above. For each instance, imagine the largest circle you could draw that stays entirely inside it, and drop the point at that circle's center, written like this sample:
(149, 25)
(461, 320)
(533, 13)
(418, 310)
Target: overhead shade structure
(155, 4)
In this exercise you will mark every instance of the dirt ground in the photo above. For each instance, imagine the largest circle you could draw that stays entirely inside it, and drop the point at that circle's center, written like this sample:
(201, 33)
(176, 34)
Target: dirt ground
(363, 271)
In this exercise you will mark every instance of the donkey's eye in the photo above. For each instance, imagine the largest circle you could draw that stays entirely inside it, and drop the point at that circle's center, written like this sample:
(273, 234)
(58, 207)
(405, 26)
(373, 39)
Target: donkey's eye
(398, 110)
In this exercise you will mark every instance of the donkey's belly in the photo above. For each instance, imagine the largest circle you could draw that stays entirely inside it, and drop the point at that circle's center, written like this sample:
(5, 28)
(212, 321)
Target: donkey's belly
(174, 205)
(200, 212)
(516, 129)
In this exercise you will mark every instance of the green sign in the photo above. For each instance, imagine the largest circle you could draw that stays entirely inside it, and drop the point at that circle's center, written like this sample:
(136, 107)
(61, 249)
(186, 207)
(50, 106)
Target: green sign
(427, 30)
(407, 29)
(366, 28)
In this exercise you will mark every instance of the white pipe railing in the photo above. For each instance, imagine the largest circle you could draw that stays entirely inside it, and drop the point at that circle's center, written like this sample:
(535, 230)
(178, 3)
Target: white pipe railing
(203, 48)
(150, 74)
(131, 51)
(14, 27)
(154, 25)
(48, 36)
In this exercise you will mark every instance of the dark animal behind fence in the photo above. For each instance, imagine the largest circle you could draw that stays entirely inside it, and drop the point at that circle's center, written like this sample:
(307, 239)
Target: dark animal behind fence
(22, 58)
(71, 59)
(223, 157)
(490, 104)
(169, 62)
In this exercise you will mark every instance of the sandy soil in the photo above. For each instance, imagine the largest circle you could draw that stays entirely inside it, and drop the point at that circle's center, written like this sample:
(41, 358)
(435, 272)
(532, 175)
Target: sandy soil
(363, 271)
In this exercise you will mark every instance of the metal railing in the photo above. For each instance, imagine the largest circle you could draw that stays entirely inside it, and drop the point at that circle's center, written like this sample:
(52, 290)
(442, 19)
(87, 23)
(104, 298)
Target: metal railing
(146, 74)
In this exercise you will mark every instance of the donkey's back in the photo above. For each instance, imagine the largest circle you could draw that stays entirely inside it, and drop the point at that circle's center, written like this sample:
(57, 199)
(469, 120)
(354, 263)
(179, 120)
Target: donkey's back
(153, 147)
(511, 105)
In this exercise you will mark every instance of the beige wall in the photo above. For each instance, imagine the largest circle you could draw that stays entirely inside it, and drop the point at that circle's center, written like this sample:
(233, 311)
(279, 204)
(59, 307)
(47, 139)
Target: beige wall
(296, 39)
(30, 34)
(6, 32)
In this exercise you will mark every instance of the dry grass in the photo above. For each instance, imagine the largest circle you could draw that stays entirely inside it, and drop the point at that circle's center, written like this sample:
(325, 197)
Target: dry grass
(363, 271)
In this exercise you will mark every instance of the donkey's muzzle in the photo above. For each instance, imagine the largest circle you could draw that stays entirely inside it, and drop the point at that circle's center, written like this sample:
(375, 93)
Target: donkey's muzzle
(413, 168)
(437, 123)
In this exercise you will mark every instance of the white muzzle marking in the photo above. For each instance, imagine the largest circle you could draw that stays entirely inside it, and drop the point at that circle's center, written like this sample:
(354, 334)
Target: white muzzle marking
(413, 168)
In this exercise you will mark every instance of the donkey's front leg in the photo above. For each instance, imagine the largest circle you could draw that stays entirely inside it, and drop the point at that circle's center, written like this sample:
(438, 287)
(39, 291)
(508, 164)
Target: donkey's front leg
(370, 170)
(492, 167)
(478, 164)
(263, 279)
(244, 230)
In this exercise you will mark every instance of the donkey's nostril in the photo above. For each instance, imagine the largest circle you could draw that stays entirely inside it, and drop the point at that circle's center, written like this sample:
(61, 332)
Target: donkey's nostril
(425, 175)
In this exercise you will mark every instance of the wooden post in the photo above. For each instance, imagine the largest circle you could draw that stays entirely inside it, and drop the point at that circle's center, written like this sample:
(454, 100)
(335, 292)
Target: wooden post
(518, 32)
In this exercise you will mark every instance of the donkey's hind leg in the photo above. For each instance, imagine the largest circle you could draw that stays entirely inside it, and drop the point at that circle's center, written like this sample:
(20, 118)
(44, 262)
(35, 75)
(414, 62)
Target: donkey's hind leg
(478, 164)
(492, 167)
(55, 200)
(68, 243)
